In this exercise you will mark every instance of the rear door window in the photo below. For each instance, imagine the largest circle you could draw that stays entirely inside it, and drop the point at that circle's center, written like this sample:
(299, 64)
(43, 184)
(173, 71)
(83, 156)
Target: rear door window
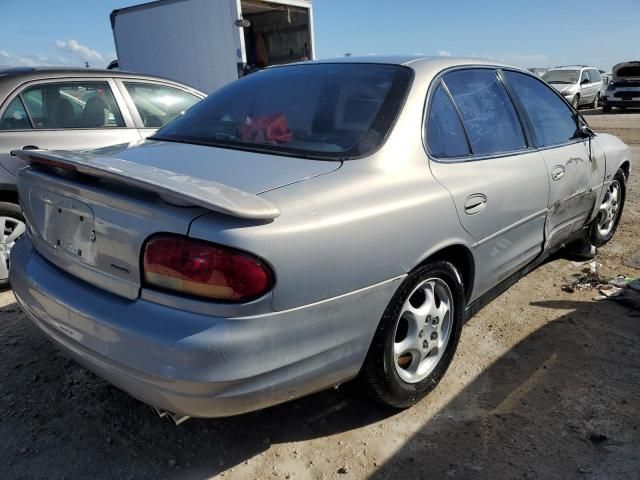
(489, 117)
(445, 133)
(72, 105)
(159, 104)
(15, 116)
(552, 119)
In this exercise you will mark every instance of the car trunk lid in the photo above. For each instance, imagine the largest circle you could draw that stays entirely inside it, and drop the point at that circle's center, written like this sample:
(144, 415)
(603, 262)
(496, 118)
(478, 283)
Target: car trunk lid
(90, 214)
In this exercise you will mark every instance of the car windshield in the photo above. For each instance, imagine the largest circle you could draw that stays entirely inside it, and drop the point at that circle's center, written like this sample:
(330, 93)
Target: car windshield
(326, 111)
(561, 76)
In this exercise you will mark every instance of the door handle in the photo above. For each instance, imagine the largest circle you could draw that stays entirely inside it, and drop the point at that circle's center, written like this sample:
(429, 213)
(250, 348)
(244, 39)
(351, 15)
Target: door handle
(26, 147)
(557, 173)
(475, 203)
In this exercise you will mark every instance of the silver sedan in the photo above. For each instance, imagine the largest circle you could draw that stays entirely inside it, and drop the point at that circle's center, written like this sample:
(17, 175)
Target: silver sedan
(308, 225)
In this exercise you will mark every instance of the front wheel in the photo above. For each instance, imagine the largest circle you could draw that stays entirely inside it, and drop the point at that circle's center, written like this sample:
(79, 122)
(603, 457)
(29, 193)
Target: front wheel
(11, 227)
(575, 103)
(417, 336)
(606, 223)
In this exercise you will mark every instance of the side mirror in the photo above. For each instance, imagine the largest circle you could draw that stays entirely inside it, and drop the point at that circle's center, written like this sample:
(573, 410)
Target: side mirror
(584, 80)
(585, 130)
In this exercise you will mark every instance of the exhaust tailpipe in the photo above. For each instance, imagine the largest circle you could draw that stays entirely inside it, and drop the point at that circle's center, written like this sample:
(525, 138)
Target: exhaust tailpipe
(177, 419)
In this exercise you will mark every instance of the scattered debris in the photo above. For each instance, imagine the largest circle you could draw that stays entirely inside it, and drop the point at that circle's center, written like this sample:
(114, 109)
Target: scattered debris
(610, 291)
(343, 470)
(623, 288)
(590, 279)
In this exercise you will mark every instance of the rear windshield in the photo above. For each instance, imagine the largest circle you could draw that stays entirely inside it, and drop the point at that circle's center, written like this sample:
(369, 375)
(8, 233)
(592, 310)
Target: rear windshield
(326, 111)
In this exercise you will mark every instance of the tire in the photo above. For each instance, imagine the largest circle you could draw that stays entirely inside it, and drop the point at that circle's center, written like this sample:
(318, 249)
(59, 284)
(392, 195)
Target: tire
(606, 108)
(575, 103)
(596, 101)
(601, 230)
(12, 220)
(381, 372)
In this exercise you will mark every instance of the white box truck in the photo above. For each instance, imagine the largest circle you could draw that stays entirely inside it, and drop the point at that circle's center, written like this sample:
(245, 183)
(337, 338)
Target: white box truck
(209, 43)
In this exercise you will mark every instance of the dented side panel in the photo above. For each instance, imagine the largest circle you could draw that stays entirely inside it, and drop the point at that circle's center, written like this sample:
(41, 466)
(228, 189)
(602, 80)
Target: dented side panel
(576, 173)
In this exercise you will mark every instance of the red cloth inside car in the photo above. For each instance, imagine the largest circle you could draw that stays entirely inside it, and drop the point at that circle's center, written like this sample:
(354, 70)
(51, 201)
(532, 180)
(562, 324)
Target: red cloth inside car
(266, 129)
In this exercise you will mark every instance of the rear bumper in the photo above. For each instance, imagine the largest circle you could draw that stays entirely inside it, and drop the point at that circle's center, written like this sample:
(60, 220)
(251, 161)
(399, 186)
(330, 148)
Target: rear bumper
(194, 364)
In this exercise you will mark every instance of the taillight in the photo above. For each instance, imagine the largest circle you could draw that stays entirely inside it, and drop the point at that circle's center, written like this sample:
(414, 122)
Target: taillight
(200, 268)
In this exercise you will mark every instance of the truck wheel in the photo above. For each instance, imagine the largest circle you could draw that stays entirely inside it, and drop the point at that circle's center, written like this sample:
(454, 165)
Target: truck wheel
(606, 223)
(417, 336)
(12, 225)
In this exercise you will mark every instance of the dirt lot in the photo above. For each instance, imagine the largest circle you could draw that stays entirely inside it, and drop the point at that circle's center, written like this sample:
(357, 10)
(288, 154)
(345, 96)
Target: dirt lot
(546, 384)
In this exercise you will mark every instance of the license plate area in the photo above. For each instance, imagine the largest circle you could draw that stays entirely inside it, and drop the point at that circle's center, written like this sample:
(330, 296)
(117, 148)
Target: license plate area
(65, 223)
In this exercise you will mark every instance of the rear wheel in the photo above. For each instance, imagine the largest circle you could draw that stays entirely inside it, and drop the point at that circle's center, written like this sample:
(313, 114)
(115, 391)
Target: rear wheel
(11, 227)
(606, 223)
(417, 336)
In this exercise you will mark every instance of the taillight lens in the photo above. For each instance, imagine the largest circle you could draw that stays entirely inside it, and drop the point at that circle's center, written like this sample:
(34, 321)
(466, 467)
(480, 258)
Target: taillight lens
(204, 269)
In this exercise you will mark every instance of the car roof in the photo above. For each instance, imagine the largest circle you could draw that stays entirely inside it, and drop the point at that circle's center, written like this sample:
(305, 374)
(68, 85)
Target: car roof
(572, 67)
(11, 78)
(407, 60)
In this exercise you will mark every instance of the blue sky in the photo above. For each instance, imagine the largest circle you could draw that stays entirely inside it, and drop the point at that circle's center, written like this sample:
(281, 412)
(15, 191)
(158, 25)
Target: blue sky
(531, 33)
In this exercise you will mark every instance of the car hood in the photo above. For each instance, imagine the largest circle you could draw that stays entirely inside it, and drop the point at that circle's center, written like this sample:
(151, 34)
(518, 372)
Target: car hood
(563, 87)
(247, 171)
(626, 71)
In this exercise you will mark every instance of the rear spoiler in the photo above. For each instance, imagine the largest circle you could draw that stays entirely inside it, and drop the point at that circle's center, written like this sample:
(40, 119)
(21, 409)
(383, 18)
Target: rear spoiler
(176, 188)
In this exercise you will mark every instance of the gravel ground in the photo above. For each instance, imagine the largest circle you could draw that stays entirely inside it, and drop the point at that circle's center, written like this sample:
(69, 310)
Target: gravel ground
(546, 384)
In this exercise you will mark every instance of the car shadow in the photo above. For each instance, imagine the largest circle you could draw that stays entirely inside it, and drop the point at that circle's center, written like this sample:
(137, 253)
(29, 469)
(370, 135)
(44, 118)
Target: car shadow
(563, 403)
(61, 420)
(577, 379)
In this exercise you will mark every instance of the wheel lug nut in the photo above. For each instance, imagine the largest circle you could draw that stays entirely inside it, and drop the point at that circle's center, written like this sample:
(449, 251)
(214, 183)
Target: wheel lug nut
(425, 344)
(428, 319)
(421, 333)
(436, 320)
(434, 336)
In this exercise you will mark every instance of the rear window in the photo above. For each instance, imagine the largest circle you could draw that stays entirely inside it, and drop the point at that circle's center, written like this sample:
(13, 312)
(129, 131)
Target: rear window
(327, 111)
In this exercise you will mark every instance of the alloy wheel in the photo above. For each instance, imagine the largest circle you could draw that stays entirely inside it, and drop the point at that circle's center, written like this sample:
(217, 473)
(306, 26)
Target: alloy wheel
(423, 330)
(10, 229)
(609, 209)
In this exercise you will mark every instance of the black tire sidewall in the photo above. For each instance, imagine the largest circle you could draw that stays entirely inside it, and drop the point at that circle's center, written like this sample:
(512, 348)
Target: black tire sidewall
(597, 239)
(12, 210)
(379, 370)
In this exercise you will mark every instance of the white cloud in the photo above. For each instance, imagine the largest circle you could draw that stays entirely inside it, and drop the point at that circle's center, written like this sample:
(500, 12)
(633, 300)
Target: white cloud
(8, 59)
(444, 53)
(74, 49)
